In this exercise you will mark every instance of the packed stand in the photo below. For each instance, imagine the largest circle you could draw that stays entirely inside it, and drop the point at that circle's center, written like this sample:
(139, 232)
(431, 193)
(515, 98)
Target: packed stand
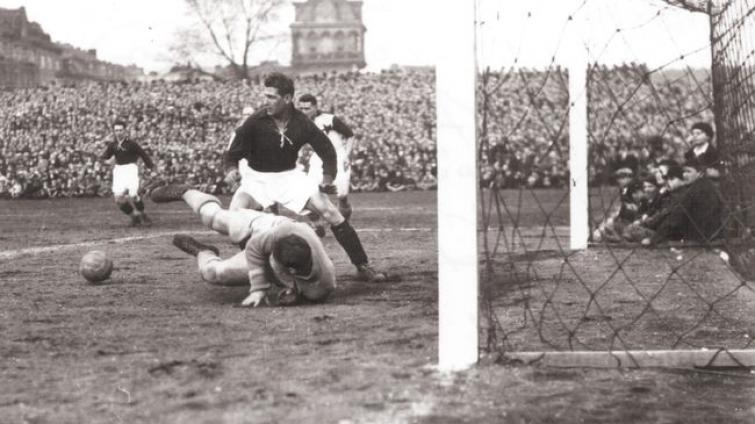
(51, 137)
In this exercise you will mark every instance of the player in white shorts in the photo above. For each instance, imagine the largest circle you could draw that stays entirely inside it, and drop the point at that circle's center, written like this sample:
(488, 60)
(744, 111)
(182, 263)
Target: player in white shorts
(269, 141)
(279, 253)
(126, 173)
(340, 135)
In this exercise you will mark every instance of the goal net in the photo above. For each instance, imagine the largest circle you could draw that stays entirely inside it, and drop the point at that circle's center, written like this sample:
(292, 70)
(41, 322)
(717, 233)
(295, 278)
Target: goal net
(664, 279)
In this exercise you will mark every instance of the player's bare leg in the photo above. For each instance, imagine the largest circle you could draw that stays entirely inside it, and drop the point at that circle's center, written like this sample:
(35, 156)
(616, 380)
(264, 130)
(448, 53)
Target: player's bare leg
(346, 236)
(241, 200)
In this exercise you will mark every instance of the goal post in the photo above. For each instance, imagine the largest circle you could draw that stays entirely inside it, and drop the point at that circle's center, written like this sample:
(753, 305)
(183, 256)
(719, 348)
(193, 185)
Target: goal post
(458, 319)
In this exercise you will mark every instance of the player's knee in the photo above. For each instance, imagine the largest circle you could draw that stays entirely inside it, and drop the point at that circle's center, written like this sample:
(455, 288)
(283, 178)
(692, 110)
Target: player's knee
(327, 210)
(210, 274)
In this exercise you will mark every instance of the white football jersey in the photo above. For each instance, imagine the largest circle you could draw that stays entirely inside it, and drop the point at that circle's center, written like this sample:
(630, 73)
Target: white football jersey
(324, 122)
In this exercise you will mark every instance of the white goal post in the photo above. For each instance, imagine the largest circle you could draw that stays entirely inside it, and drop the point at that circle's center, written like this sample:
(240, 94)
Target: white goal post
(458, 280)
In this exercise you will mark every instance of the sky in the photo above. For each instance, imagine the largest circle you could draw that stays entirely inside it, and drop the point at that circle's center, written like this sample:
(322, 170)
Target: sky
(405, 32)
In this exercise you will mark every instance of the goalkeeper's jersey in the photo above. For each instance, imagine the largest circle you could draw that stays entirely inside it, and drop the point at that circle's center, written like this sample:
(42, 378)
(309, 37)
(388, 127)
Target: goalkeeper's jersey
(264, 232)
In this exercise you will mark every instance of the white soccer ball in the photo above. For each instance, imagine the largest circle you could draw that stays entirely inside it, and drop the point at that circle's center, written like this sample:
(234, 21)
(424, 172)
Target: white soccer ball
(95, 266)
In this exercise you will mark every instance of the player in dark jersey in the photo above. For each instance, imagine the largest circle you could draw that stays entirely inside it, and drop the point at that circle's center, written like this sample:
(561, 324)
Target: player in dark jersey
(270, 140)
(126, 173)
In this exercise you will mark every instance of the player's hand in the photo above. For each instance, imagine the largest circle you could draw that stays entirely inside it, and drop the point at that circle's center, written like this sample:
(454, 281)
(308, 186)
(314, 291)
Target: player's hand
(233, 176)
(254, 299)
(232, 179)
(328, 188)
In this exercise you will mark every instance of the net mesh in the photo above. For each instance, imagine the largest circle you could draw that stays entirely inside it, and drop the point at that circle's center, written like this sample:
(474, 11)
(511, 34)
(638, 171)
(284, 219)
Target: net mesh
(636, 287)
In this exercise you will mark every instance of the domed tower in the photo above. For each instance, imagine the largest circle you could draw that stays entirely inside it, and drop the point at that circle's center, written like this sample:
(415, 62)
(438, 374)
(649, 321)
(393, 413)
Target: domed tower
(327, 35)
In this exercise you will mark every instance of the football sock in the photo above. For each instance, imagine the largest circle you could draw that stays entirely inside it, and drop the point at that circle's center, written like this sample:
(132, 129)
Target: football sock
(138, 204)
(349, 240)
(126, 208)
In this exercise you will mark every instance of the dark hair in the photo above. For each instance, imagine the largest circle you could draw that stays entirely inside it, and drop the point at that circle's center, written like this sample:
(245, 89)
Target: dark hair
(675, 171)
(668, 162)
(308, 98)
(656, 142)
(648, 178)
(120, 122)
(293, 251)
(280, 82)
(704, 127)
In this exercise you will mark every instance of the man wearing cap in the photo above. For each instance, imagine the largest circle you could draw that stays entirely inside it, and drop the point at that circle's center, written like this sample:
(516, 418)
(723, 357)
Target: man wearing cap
(702, 153)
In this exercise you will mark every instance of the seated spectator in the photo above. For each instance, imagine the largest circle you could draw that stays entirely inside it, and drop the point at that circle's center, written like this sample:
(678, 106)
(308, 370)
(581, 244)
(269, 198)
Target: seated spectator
(701, 153)
(631, 196)
(398, 182)
(695, 211)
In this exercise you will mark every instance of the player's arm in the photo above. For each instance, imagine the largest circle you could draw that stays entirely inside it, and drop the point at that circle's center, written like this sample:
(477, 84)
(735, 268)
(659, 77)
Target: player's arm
(256, 260)
(108, 152)
(324, 148)
(340, 127)
(145, 156)
(237, 150)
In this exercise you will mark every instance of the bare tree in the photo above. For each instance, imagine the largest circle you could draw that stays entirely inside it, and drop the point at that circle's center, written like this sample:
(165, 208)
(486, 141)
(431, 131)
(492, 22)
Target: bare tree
(231, 29)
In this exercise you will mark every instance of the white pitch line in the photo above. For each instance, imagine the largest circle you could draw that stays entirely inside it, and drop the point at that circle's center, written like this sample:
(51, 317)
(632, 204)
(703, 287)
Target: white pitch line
(10, 254)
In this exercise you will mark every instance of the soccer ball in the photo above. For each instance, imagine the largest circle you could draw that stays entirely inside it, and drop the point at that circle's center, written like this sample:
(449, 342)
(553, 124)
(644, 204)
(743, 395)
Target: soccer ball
(95, 266)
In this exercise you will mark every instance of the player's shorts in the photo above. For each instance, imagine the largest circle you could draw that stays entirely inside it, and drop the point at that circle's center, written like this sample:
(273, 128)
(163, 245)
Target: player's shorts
(291, 189)
(343, 177)
(126, 179)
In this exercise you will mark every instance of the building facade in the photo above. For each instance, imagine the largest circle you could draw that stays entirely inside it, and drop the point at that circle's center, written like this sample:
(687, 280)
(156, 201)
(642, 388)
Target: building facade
(327, 35)
(28, 57)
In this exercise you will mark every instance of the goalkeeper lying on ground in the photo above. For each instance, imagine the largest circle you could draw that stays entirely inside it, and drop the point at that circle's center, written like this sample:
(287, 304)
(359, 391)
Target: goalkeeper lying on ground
(278, 252)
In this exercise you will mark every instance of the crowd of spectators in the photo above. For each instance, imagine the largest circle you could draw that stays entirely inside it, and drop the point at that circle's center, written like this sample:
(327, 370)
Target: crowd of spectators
(51, 137)
(631, 110)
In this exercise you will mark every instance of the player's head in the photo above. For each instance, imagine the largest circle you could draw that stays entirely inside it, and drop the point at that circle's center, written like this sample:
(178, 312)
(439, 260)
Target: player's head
(279, 92)
(308, 105)
(701, 133)
(119, 129)
(294, 253)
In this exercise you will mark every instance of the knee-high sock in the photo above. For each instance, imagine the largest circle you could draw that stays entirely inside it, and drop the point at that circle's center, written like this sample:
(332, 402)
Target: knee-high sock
(126, 208)
(349, 240)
